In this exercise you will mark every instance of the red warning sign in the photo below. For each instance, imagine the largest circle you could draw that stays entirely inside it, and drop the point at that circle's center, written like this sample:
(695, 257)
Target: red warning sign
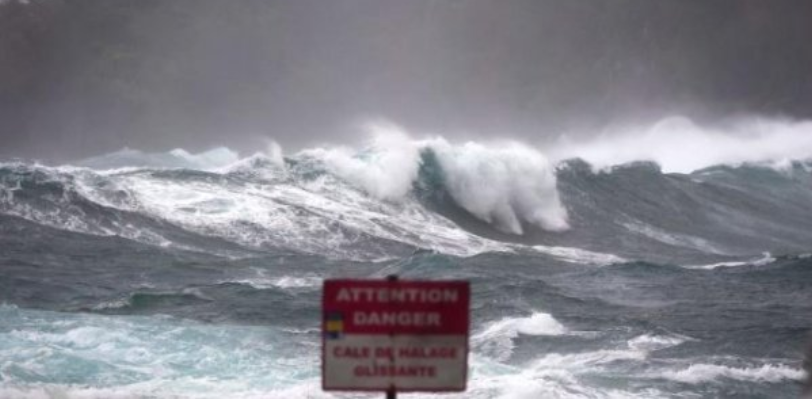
(407, 336)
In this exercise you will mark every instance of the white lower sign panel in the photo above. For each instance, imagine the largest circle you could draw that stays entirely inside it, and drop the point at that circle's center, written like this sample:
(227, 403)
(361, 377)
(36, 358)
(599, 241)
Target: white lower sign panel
(379, 362)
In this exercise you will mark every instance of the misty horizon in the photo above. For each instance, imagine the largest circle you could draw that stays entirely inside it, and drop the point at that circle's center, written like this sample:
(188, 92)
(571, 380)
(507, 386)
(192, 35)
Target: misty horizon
(83, 78)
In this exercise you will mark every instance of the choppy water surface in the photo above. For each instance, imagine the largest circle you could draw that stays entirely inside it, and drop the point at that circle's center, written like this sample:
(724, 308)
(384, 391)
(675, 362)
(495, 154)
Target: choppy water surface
(135, 275)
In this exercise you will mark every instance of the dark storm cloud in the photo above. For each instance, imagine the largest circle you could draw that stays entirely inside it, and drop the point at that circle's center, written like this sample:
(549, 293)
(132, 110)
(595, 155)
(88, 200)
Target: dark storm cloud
(81, 77)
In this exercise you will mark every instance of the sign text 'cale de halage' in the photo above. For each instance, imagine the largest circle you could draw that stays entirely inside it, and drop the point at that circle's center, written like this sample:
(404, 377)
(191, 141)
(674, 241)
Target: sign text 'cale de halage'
(404, 335)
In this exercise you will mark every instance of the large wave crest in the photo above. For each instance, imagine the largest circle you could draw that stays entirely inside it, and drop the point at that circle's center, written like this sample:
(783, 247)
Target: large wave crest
(399, 193)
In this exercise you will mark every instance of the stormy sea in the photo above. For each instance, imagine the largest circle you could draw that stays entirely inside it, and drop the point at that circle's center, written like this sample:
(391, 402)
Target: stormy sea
(178, 274)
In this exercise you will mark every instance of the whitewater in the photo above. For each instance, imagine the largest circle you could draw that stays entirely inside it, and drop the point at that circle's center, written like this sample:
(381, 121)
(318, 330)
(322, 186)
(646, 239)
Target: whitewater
(671, 260)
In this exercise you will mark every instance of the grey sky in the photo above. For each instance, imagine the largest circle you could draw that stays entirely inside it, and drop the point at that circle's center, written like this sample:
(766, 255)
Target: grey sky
(82, 77)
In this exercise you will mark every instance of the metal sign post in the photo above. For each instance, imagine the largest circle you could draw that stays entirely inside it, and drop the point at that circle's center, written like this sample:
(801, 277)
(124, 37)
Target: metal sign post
(392, 392)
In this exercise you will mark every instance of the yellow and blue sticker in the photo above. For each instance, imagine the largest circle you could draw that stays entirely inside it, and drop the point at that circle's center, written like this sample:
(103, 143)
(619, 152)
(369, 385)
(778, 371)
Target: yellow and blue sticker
(334, 325)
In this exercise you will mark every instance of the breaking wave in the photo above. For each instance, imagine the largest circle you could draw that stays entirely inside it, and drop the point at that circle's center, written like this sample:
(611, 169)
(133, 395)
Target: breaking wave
(398, 194)
(769, 373)
(497, 338)
(678, 144)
